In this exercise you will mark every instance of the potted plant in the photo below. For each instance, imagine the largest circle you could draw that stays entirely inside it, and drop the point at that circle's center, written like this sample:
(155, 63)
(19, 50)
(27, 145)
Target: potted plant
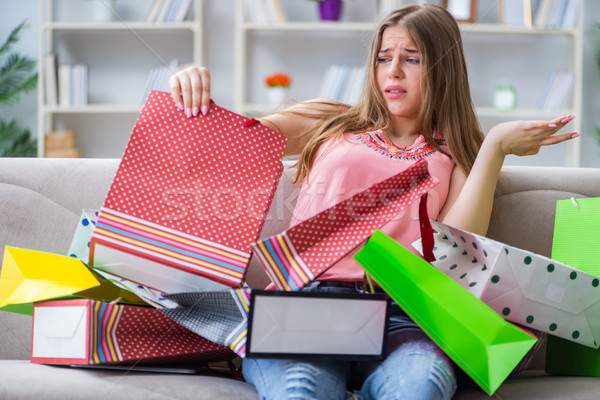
(16, 77)
(330, 10)
(278, 85)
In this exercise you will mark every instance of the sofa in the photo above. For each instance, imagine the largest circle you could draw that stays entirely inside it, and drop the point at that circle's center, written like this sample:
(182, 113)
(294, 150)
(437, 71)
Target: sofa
(40, 205)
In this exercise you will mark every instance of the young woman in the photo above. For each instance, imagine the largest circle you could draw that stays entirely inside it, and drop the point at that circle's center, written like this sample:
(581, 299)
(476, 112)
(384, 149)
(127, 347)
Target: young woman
(415, 104)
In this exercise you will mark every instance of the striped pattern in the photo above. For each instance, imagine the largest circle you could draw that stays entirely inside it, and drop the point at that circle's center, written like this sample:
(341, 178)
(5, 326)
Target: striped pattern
(104, 346)
(302, 253)
(167, 246)
(237, 339)
(282, 263)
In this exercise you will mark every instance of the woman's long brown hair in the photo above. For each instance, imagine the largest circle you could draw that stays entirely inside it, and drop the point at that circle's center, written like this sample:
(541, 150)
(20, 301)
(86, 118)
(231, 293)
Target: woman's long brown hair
(446, 104)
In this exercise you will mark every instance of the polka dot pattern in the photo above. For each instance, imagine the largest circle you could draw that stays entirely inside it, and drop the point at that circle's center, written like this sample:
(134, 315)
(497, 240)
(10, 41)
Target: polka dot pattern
(143, 333)
(325, 238)
(80, 244)
(523, 287)
(321, 241)
(210, 177)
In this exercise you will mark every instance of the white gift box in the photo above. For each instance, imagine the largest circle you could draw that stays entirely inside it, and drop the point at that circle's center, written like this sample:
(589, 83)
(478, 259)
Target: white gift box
(331, 325)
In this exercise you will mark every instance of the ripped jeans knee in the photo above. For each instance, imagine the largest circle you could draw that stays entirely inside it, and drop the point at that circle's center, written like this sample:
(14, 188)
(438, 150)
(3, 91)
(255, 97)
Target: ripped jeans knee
(301, 381)
(415, 369)
(295, 379)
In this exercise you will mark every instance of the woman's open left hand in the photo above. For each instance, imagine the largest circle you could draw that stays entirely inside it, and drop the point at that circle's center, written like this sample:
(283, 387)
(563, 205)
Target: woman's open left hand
(525, 138)
(190, 89)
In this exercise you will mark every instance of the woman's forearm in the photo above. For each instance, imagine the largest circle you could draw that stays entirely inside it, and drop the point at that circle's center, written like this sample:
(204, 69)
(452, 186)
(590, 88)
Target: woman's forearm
(471, 199)
(472, 208)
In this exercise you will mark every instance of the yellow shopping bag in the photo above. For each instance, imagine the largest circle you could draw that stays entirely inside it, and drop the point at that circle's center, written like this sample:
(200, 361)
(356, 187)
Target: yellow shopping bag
(28, 276)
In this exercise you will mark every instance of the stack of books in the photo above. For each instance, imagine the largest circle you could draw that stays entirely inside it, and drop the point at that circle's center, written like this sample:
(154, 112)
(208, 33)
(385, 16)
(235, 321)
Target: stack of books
(169, 10)
(264, 12)
(158, 79)
(342, 82)
(65, 85)
(72, 85)
(554, 14)
(556, 90)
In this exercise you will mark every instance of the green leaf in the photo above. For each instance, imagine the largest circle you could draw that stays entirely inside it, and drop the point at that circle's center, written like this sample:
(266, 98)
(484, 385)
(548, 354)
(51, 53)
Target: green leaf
(16, 141)
(14, 79)
(17, 75)
(12, 38)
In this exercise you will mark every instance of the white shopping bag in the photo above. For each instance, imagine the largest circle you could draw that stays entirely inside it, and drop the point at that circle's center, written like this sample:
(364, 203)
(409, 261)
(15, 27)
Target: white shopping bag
(524, 287)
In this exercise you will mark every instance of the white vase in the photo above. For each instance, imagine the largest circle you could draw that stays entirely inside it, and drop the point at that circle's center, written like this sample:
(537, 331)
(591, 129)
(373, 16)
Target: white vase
(102, 10)
(277, 95)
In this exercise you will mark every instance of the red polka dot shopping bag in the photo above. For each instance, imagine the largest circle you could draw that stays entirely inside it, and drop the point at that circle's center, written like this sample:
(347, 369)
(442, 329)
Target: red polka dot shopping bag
(188, 199)
(302, 253)
(93, 332)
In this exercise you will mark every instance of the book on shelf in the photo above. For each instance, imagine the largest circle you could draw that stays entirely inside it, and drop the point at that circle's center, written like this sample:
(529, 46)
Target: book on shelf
(64, 85)
(169, 10)
(515, 12)
(80, 84)
(556, 90)
(50, 80)
(72, 85)
(342, 82)
(266, 12)
(158, 79)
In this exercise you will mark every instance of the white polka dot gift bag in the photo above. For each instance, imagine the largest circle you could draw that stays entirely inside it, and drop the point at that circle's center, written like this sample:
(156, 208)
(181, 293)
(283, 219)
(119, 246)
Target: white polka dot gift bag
(80, 243)
(525, 288)
(188, 199)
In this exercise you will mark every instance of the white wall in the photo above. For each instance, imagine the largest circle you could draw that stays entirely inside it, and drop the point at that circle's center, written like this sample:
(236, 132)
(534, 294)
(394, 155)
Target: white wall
(219, 56)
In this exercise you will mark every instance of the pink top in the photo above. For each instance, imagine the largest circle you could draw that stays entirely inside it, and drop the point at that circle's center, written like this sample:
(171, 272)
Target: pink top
(355, 162)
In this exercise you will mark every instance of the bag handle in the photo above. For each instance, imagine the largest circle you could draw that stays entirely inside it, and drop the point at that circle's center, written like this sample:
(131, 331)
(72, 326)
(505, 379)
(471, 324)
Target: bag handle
(426, 230)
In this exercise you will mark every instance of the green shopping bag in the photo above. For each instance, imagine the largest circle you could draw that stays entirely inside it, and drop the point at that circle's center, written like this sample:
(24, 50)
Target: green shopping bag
(478, 339)
(576, 236)
(575, 242)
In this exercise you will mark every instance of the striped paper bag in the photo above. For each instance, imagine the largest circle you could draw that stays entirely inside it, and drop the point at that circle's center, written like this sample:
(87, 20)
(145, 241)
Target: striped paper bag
(90, 332)
(302, 253)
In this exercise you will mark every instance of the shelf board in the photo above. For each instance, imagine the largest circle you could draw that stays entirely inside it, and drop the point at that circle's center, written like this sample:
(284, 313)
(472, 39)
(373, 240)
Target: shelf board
(119, 26)
(370, 26)
(312, 26)
(528, 113)
(515, 30)
(94, 109)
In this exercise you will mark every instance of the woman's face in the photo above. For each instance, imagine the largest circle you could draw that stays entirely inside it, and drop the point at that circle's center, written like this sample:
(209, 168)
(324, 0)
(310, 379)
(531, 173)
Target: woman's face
(399, 72)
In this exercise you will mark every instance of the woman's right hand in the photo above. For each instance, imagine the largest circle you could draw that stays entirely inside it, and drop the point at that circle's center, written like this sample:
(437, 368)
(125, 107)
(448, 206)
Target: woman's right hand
(190, 89)
(524, 138)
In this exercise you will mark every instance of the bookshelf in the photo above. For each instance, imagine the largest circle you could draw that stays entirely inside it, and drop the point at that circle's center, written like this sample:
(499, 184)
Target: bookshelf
(349, 41)
(119, 55)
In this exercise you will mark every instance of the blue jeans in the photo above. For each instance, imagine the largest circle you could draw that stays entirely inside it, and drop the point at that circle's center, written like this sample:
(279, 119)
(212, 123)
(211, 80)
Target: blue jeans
(414, 368)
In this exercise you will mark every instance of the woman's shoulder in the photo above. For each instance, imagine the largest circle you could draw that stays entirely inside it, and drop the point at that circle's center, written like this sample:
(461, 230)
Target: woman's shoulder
(319, 106)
